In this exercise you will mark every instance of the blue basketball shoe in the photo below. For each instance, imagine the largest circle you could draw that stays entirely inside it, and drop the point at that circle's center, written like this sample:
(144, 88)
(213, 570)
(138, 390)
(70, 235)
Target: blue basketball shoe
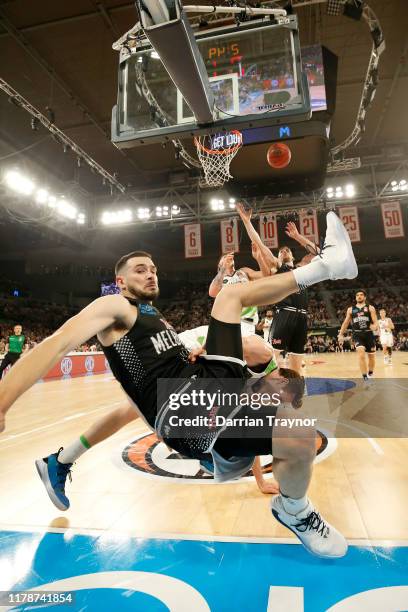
(207, 465)
(54, 475)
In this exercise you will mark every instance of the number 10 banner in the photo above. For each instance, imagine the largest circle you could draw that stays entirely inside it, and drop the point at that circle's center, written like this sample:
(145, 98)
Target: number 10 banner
(350, 220)
(392, 219)
(308, 226)
(192, 240)
(229, 236)
(268, 230)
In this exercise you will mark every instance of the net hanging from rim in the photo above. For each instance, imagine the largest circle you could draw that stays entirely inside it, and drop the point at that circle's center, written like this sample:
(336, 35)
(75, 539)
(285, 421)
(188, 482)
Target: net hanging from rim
(215, 154)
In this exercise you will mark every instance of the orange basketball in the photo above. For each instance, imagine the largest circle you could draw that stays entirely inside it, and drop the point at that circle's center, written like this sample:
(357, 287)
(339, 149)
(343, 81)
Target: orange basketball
(279, 155)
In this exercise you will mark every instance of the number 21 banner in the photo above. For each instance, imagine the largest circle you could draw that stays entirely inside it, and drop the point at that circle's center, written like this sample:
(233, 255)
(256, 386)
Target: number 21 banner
(308, 226)
(192, 240)
(229, 236)
(268, 230)
(350, 220)
(392, 220)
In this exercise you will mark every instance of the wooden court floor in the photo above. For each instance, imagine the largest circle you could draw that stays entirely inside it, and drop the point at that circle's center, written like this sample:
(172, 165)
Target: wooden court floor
(361, 487)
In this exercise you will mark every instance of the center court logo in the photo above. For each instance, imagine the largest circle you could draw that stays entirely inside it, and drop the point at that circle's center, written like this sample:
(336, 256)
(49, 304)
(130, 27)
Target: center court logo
(152, 458)
(66, 366)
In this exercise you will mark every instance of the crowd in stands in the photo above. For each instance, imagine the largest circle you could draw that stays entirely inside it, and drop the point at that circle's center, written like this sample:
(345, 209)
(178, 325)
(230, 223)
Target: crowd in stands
(190, 306)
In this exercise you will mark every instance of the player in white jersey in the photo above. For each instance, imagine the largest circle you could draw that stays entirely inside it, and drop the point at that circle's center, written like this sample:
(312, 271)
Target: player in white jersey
(265, 324)
(228, 275)
(386, 326)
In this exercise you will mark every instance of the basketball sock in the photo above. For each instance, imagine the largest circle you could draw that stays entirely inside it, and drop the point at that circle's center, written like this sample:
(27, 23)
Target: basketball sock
(293, 505)
(74, 450)
(311, 274)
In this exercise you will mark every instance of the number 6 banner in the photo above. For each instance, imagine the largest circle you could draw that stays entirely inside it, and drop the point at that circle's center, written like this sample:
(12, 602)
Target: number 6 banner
(308, 226)
(350, 220)
(392, 220)
(268, 230)
(229, 236)
(192, 240)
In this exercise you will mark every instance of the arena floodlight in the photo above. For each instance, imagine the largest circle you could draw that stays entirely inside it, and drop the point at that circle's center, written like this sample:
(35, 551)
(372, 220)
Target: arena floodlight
(52, 201)
(19, 183)
(175, 210)
(41, 196)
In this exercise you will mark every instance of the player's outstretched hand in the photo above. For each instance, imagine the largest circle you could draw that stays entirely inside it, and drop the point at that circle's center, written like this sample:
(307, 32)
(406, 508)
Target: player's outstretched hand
(244, 213)
(292, 231)
(269, 487)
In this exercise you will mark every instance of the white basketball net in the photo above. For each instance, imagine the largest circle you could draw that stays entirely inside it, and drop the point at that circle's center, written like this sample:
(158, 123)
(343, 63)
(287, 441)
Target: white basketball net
(215, 154)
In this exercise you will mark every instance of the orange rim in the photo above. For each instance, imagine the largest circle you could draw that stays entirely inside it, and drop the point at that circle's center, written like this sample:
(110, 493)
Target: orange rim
(215, 151)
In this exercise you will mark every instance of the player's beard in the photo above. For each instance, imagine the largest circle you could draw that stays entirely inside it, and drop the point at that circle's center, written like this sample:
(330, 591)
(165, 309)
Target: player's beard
(144, 296)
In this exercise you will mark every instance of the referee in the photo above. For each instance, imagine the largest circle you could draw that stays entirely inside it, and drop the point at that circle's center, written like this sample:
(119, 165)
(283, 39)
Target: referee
(14, 348)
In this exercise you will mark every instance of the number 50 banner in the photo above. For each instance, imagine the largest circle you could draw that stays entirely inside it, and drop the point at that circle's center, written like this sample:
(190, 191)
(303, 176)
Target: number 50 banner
(268, 230)
(392, 220)
(350, 220)
(308, 226)
(192, 240)
(229, 236)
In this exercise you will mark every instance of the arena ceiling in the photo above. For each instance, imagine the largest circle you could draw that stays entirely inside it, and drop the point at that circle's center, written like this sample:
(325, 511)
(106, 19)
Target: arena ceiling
(59, 55)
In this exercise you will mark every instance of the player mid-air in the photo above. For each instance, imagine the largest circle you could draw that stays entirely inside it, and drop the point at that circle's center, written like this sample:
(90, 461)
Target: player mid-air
(143, 349)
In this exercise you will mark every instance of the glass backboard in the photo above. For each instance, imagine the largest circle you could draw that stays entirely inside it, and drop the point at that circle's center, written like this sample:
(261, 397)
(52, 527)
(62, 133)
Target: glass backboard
(255, 74)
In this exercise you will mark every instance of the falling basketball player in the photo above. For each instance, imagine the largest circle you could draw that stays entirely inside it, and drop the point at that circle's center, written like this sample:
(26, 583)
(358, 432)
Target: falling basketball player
(143, 349)
(363, 319)
(386, 327)
(288, 332)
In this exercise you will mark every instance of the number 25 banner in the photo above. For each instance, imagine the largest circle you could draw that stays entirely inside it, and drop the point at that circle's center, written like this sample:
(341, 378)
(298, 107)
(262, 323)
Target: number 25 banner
(392, 220)
(192, 240)
(268, 230)
(350, 220)
(229, 235)
(308, 226)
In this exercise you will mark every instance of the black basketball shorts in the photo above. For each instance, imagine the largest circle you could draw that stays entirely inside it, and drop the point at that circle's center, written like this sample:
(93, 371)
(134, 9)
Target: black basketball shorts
(289, 331)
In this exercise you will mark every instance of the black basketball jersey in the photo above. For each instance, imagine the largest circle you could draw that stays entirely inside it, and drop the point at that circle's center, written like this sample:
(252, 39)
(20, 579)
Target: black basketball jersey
(148, 351)
(361, 318)
(299, 300)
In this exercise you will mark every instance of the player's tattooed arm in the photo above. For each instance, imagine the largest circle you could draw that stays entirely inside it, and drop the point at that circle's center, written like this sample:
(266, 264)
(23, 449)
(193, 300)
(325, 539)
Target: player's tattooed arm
(345, 325)
(217, 281)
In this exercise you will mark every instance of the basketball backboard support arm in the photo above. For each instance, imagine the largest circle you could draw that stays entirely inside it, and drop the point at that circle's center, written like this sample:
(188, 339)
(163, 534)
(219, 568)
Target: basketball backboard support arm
(177, 48)
(254, 51)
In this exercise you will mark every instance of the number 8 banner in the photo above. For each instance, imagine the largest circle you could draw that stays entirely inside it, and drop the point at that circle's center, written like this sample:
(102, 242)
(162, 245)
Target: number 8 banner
(192, 240)
(229, 236)
(350, 220)
(392, 220)
(268, 230)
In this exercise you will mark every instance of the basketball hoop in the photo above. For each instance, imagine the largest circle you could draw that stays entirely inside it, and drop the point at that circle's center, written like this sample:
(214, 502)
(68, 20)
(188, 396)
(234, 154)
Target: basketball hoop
(215, 154)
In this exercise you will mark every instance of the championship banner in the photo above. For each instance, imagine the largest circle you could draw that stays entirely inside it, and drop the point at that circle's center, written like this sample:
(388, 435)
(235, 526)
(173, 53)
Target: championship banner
(229, 236)
(268, 230)
(392, 219)
(350, 220)
(192, 240)
(308, 226)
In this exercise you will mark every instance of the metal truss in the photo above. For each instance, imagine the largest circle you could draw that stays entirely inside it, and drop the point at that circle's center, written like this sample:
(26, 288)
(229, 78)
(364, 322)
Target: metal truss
(60, 136)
